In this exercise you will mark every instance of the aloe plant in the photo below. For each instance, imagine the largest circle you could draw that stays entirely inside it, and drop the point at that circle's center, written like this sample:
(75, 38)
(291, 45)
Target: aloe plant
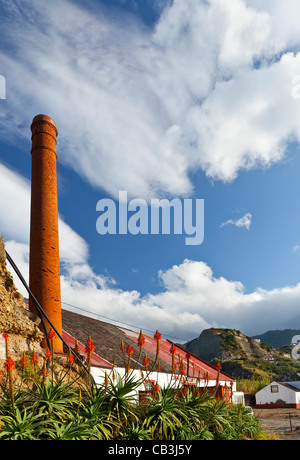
(165, 415)
(66, 406)
(21, 426)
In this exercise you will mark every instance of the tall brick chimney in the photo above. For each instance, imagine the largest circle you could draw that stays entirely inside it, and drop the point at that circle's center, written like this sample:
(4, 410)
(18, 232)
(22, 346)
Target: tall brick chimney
(44, 269)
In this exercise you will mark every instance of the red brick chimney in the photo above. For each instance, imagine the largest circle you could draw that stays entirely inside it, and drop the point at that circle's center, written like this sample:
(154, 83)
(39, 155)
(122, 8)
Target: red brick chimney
(44, 269)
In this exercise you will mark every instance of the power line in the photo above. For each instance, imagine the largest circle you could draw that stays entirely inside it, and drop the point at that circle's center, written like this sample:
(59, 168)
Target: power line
(118, 321)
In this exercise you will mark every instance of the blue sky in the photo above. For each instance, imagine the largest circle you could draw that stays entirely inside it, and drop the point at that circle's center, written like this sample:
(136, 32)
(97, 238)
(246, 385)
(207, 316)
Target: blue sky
(181, 99)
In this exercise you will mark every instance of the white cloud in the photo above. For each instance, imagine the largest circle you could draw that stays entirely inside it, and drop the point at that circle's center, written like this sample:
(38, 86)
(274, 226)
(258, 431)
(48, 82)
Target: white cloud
(138, 109)
(283, 20)
(15, 220)
(191, 298)
(247, 122)
(244, 221)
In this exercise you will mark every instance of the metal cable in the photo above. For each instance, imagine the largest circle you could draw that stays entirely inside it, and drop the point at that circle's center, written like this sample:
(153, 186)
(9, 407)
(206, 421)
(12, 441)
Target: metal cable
(42, 314)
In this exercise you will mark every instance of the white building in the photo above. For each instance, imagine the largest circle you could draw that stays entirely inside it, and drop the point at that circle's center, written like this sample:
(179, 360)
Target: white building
(279, 394)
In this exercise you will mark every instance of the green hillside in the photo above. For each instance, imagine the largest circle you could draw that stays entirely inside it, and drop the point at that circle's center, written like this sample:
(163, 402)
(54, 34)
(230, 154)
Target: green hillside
(278, 338)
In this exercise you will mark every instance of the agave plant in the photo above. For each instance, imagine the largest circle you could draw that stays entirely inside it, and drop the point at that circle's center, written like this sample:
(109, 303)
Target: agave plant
(135, 431)
(120, 397)
(74, 430)
(92, 409)
(80, 410)
(21, 426)
(52, 399)
(165, 415)
(194, 405)
(244, 424)
(216, 417)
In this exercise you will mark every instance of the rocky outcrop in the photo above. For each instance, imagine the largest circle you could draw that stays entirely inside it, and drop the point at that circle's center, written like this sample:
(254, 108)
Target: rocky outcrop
(21, 325)
(224, 344)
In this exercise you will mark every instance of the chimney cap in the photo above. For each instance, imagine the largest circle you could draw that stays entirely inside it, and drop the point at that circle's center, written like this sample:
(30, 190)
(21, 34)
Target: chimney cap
(42, 117)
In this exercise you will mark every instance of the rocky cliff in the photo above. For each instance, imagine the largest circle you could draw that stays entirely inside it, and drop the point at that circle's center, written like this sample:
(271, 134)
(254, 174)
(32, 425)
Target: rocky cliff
(21, 325)
(224, 344)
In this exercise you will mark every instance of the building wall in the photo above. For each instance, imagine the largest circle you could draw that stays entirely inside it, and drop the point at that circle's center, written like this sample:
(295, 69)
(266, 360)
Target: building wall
(277, 395)
(162, 379)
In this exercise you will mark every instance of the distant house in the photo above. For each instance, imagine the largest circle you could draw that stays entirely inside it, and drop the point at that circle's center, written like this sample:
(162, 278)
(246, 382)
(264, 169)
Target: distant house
(268, 358)
(108, 358)
(283, 392)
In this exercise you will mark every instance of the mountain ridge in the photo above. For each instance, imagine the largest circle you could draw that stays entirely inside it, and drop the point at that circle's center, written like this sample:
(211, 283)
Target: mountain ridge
(224, 344)
(278, 337)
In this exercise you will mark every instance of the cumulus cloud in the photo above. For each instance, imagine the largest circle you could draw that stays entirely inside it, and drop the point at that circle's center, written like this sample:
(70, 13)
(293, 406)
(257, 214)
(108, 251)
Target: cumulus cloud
(129, 114)
(138, 109)
(191, 300)
(191, 297)
(15, 221)
(244, 221)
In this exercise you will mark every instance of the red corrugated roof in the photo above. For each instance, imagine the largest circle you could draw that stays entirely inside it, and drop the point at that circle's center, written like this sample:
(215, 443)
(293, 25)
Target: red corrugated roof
(196, 364)
(197, 367)
(95, 360)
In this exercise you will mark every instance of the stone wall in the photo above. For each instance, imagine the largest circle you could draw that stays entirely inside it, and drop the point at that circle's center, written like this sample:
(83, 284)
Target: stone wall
(21, 325)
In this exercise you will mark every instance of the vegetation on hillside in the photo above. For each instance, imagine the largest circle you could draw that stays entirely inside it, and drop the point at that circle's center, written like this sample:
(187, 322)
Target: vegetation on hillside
(229, 341)
(254, 373)
(51, 402)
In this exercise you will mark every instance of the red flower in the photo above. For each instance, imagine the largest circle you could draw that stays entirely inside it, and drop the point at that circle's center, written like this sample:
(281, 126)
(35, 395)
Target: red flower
(5, 336)
(34, 359)
(155, 388)
(70, 359)
(172, 349)
(89, 347)
(141, 340)
(51, 334)
(23, 361)
(218, 366)
(181, 368)
(146, 361)
(106, 380)
(129, 350)
(48, 355)
(9, 364)
(157, 336)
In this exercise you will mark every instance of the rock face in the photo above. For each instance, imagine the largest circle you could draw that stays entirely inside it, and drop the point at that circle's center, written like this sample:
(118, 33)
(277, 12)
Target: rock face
(224, 344)
(21, 325)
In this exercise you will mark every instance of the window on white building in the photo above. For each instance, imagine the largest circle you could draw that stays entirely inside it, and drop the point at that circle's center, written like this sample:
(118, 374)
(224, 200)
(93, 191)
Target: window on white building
(149, 384)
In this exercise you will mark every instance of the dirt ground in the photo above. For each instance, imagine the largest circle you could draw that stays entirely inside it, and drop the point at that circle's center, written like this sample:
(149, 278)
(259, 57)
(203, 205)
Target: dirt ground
(281, 424)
